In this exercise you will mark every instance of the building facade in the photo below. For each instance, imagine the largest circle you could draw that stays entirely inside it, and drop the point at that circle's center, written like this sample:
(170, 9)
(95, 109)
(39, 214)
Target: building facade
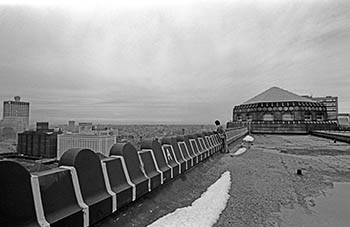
(40, 143)
(71, 126)
(15, 117)
(279, 111)
(344, 120)
(85, 128)
(101, 142)
(331, 103)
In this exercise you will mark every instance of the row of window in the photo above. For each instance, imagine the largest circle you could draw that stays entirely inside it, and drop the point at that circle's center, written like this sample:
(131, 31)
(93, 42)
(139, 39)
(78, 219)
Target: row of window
(278, 104)
(285, 117)
(259, 109)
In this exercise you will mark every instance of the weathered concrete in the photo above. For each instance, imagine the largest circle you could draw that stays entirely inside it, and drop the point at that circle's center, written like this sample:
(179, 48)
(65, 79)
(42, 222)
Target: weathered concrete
(264, 182)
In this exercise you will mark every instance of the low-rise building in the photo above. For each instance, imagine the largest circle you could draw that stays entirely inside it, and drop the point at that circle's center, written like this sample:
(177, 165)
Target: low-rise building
(40, 143)
(344, 120)
(100, 142)
(331, 104)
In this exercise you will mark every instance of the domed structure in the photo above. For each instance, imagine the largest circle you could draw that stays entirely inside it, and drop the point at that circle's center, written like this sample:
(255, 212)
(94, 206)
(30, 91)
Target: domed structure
(279, 111)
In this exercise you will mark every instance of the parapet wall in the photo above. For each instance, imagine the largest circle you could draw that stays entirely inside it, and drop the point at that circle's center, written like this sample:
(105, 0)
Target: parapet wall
(86, 187)
(334, 135)
(289, 127)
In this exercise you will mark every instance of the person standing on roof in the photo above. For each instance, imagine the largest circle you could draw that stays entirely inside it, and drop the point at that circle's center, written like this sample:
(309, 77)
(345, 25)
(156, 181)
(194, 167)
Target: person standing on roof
(221, 131)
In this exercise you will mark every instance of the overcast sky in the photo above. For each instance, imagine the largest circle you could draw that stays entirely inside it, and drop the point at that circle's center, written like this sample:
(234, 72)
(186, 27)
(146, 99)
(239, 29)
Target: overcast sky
(173, 62)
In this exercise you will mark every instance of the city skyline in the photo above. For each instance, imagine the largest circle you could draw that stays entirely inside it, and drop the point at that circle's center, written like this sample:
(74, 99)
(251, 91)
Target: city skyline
(190, 62)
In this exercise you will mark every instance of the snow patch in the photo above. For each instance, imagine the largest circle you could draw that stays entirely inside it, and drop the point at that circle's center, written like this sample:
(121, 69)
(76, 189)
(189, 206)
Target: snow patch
(248, 138)
(203, 212)
(240, 151)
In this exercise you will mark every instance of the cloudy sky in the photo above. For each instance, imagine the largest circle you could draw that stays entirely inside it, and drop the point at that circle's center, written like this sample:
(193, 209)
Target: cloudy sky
(166, 61)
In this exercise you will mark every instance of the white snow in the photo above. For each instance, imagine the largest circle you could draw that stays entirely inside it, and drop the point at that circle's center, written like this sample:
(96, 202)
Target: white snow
(248, 138)
(205, 211)
(240, 151)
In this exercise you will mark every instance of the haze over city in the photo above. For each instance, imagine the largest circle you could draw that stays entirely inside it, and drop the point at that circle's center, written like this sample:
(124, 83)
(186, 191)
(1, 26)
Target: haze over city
(186, 62)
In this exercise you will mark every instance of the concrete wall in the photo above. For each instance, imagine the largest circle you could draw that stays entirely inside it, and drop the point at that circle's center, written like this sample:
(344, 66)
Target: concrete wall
(290, 127)
(67, 196)
(332, 135)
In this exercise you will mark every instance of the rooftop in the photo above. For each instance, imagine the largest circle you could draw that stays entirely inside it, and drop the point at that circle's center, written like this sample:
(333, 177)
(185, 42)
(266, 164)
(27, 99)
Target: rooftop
(276, 94)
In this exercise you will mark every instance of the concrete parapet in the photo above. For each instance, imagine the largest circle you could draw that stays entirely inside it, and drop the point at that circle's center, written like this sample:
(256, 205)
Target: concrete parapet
(209, 145)
(202, 146)
(193, 140)
(332, 135)
(150, 167)
(290, 127)
(16, 195)
(128, 153)
(120, 181)
(92, 183)
(191, 151)
(59, 202)
(160, 157)
(181, 145)
(168, 145)
(87, 187)
(214, 142)
(234, 134)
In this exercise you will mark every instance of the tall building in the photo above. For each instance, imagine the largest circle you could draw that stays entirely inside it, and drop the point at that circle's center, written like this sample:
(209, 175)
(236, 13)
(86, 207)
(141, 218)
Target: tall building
(15, 117)
(100, 142)
(331, 103)
(71, 126)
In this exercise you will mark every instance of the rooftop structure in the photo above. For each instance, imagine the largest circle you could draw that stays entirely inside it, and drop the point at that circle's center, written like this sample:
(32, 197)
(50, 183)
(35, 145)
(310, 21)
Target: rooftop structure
(344, 120)
(280, 111)
(276, 94)
(101, 142)
(331, 103)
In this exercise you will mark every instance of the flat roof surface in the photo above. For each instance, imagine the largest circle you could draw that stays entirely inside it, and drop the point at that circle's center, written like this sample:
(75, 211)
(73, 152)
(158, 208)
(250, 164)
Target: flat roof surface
(265, 189)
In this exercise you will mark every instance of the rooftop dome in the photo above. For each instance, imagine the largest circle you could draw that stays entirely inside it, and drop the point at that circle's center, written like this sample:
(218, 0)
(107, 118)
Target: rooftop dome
(276, 94)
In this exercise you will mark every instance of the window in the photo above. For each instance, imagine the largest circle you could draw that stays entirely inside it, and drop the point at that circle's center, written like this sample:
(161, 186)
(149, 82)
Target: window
(249, 117)
(319, 117)
(268, 117)
(239, 118)
(287, 117)
(307, 117)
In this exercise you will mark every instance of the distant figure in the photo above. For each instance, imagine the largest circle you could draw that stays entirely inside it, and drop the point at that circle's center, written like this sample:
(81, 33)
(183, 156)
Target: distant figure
(221, 131)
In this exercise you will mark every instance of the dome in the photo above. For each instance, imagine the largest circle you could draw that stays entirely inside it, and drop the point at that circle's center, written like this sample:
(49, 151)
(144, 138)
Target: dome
(276, 94)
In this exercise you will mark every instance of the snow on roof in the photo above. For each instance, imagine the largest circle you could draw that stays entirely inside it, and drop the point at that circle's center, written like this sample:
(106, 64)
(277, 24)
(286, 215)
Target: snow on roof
(239, 151)
(248, 138)
(204, 211)
(276, 94)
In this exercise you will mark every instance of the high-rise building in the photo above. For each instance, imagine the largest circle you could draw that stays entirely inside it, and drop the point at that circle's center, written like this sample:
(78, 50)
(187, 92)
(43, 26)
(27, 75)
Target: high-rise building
(71, 126)
(15, 117)
(100, 142)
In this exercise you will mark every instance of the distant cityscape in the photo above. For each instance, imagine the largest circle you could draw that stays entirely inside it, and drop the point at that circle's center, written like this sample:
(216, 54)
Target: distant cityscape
(44, 141)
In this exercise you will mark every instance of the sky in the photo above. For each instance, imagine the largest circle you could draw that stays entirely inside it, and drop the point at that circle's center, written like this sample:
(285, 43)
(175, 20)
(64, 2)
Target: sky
(173, 62)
